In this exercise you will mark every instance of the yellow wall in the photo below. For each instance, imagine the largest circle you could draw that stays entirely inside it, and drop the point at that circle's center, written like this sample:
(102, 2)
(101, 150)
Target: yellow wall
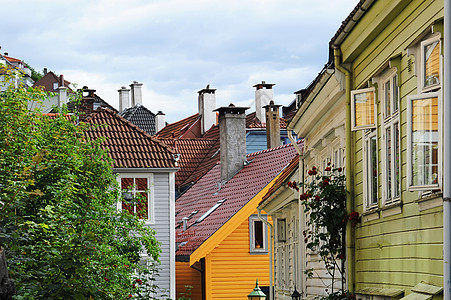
(188, 276)
(231, 270)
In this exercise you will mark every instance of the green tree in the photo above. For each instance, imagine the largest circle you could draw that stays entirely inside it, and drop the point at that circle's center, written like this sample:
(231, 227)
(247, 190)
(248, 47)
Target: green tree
(59, 224)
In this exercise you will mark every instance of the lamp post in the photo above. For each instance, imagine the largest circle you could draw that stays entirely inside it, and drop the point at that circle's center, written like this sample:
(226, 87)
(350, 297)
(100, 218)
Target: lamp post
(296, 295)
(257, 293)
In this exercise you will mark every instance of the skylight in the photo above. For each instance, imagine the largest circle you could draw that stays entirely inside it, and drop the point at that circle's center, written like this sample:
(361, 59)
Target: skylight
(212, 209)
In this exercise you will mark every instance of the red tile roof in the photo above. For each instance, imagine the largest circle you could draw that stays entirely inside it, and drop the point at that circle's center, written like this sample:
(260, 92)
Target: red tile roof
(180, 128)
(197, 156)
(127, 144)
(237, 192)
(11, 59)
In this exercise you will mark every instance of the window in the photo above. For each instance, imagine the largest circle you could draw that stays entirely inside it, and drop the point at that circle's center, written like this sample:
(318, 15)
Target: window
(137, 195)
(370, 169)
(55, 85)
(281, 230)
(258, 235)
(423, 141)
(391, 140)
(362, 108)
(430, 64)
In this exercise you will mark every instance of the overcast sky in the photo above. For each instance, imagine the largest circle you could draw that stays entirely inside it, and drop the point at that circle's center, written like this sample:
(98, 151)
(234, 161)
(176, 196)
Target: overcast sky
(176, 47)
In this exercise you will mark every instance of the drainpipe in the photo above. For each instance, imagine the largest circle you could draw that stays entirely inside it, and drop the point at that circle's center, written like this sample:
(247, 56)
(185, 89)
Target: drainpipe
(271, 240)
(300, 207)
(349, 172)
(447, 152)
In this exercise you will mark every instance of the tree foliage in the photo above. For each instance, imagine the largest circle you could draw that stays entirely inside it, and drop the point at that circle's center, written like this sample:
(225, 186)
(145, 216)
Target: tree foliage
(59, 224)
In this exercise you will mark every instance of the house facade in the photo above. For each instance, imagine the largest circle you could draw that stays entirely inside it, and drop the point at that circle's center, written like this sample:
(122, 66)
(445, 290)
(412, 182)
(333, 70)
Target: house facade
(223, 242)
(391, 54)
(320, 121)
(146, 170)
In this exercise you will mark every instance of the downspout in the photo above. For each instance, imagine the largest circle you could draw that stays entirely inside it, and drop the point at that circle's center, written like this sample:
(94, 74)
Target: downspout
(271, 240)
(349, 171)
(300, 207)
(447, 152)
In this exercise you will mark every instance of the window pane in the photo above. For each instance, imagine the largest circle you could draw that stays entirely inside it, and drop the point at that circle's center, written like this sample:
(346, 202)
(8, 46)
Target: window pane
(425, 141)
(364, 108)
(373, 153)
(141, 184)
(395, 93)
(142, 205)
(389, 162)
(387, 99)
(126, 183)
(258, 234)
(431, 64)
(397, 162)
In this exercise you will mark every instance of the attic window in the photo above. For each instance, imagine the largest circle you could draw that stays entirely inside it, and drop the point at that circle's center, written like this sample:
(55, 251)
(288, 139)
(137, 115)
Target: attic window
(55, 85)
(211, 210)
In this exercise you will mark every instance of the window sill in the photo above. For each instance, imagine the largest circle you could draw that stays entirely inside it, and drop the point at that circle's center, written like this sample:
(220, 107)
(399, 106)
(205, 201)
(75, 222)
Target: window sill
(429, 201)
(392, 209)
(371, 214)
(263, 252)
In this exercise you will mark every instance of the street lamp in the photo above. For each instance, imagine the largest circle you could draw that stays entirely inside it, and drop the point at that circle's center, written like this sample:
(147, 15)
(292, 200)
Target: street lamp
(296, 295)
(257, 293)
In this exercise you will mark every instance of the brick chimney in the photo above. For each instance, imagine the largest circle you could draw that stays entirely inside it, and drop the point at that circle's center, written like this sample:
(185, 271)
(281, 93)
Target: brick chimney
(137, 95)
(232, 134)
(159, 121)
(272, 125)
(206, 105)
(124, 98)
(263, 94)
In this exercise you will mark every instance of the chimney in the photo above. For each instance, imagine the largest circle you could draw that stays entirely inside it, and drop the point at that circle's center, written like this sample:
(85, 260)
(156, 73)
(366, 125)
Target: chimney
(206, 105)
(159, 121)
(62, 96)
(263, 94)
(232, 135)
(137, 95)
(272, 125)
(45, 71)
(124, 101)
(61, 80)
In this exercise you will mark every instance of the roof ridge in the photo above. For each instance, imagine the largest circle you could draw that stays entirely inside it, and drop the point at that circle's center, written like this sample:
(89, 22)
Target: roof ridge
(122, 119)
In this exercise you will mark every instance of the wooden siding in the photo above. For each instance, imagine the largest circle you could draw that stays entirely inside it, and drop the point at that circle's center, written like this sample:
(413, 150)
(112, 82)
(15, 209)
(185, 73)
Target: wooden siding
(400, 246)
(231, 270)
(161, 226)
(187, 276)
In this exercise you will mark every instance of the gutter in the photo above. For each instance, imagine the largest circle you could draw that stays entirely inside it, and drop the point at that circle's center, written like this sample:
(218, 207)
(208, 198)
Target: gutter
(350, 251)
(447, 153)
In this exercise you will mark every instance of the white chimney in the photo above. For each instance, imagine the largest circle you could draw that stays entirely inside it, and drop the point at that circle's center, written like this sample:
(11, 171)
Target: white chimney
(232, 139)
(206, 105)
(263, 94)
(159, 121)
(124, 98)
(137, 96)
(62, 96)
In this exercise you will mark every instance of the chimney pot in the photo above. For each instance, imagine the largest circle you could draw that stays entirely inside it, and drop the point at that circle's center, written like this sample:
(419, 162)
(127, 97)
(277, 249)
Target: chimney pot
(45, 71)
(136, 93)
(206, 104)
(263, 94)
(159, 121)
(124, 99)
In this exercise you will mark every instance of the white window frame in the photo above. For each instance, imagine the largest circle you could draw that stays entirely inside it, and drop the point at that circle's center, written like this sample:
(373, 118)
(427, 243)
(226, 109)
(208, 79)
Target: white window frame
(424, 187)
(390, 121)
(150, 194)
(252, 248)
(367, 169)
(354, 127)
(423, 44)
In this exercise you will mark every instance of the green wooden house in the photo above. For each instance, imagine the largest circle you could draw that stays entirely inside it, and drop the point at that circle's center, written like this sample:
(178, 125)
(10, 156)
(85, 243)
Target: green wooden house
(391, 52)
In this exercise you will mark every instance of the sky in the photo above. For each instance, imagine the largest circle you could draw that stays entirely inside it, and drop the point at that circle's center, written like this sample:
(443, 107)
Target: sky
(176, 47)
